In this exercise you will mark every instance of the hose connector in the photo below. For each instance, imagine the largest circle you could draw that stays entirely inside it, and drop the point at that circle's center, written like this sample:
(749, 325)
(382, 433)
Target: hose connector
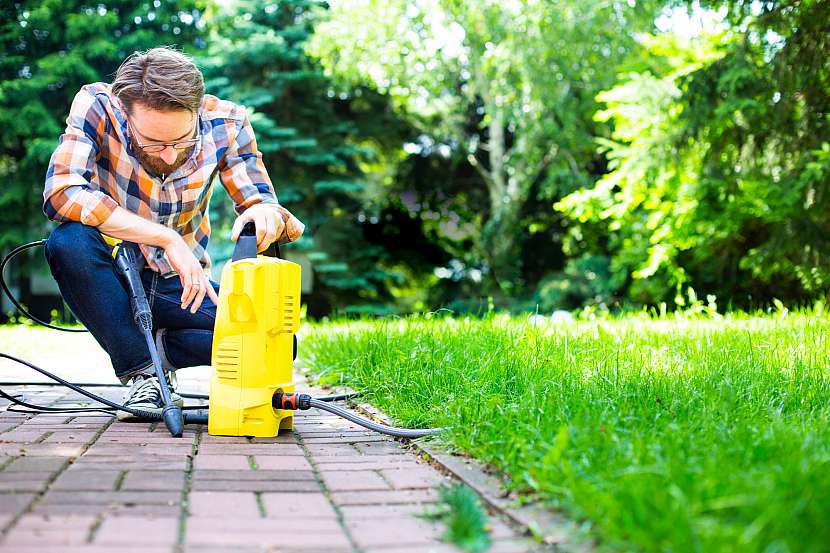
(291, 401)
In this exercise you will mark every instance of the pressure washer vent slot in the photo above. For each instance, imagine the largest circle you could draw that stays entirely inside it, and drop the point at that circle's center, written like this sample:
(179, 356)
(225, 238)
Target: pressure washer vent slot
(288, 313)
(226, 363)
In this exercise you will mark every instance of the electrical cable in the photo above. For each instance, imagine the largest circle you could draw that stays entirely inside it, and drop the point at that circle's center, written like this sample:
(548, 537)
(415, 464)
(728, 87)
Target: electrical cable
(100, 399)
(322, 403)
(8, 292)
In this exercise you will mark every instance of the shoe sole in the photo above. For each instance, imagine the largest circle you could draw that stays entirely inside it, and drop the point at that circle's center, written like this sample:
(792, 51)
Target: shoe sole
(126, 416)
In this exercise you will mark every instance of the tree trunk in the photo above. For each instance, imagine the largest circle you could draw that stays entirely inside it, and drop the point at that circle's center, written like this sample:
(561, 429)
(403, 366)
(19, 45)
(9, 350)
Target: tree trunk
(500, 234)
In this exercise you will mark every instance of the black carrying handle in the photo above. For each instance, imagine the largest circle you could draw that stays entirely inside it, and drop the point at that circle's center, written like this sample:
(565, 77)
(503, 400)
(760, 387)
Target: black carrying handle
(246, 245)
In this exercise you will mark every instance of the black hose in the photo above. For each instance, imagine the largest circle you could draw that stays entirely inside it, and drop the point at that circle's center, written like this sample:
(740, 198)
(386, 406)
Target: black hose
(321, 403)
(136, 412)
(8, 292)
(339, 397)
(371, 425)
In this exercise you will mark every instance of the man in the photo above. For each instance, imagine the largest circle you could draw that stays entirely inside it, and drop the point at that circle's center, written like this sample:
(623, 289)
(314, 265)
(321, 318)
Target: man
(137, 162)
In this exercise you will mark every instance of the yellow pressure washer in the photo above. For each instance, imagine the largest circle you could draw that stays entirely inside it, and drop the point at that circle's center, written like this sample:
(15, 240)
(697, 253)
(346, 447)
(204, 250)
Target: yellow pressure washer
(254, 342)
(254, 346)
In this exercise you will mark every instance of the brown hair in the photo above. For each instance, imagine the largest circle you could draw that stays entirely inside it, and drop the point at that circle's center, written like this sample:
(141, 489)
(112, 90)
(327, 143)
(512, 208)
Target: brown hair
(161, 78)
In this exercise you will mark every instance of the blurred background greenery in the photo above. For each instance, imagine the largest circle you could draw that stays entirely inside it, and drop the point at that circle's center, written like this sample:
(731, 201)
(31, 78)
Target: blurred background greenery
(524, 154)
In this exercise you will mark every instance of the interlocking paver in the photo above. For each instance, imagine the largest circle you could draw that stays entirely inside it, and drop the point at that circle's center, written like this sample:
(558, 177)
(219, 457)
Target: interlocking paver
(250, 449)
(297, 505)
(149, 480)
(256, 486)
(42, 530)
(111, 498)
(13, 502)
(123, 530)
(418, 477)
(279, 462)
(391, 497)
(36, 464)
(232, 505)
(249, 474)
(284, 537)
(89, 483)
(346, 480)
(221, 462)
(393, 532)
(87, 480)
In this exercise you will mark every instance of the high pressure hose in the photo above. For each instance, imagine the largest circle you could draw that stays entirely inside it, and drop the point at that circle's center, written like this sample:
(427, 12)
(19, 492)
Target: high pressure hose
(288, 400)
(280, 401)
(371, 425)
(137, 412)
(173, 418)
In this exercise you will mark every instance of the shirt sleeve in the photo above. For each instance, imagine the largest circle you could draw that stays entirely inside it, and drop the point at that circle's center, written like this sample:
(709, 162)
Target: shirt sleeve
(69, 193)
(243, 175)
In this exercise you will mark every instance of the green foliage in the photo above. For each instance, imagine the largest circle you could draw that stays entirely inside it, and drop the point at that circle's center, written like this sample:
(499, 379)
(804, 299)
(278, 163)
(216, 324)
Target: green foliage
(426, 142)
(716, 163)
(460, 510)
(311, 142)
(688, 432)
(585, 280)
(523, 129)
(50, 49)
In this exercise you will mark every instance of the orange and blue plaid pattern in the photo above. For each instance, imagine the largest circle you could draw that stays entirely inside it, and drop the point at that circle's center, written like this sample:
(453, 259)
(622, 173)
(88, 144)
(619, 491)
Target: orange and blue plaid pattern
(95, 168)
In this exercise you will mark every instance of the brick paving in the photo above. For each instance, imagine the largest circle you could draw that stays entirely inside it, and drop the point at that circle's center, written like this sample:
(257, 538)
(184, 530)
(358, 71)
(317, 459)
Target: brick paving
(89, 483)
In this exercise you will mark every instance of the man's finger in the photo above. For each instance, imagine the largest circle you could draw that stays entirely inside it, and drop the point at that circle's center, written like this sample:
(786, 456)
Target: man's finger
(261, 222)
(200, 296)
(195, 279)
(186, 284)
(211, 292)
(237, 227)
(280, 227)
(269, 233)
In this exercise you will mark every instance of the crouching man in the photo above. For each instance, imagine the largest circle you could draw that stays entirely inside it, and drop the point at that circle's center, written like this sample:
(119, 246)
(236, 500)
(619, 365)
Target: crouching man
(137, 162)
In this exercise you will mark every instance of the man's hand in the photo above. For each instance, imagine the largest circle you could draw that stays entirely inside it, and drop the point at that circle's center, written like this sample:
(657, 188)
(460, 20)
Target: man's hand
(195, 282)
(129, 226)
(267, 220)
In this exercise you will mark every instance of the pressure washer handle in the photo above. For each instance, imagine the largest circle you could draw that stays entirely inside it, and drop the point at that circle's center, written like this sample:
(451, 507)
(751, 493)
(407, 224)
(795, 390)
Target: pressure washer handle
(246, 247)
(128, 262)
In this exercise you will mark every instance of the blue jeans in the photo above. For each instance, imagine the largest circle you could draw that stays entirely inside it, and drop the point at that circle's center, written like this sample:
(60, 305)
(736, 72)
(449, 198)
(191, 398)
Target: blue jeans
(83, 267)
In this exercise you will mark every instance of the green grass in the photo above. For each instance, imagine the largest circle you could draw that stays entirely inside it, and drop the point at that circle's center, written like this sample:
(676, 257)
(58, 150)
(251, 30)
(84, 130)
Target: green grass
(460, 510)
(680, 434)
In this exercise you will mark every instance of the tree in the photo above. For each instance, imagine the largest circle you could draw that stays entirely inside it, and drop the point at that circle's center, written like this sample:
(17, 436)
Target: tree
(720, 161)
(527, 72)
(50, 49)
(313, 144)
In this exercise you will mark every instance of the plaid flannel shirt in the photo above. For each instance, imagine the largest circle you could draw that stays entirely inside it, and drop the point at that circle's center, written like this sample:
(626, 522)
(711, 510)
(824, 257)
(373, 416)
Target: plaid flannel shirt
(95, 168)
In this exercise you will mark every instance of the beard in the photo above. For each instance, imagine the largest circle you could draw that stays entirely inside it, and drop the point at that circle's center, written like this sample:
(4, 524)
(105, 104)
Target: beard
(158, 166)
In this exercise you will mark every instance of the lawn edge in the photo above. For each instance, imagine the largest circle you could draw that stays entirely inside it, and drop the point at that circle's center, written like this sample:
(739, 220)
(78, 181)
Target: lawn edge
(551, 528)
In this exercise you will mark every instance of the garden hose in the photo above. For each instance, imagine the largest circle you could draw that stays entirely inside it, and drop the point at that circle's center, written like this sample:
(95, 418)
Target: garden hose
(304, 401)
(301, 401)
(281, 401)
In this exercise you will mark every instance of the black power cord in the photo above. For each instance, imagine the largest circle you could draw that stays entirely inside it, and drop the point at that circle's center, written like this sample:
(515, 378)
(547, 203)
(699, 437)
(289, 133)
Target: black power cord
(281, 401)
(8, 292)
(305, 402)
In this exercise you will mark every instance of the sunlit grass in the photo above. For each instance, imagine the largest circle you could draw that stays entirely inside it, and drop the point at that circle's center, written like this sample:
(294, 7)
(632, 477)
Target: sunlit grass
(668, 435)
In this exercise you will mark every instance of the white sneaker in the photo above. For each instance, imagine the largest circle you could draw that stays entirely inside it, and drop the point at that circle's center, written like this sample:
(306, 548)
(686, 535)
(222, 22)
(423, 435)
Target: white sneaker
(145, 394)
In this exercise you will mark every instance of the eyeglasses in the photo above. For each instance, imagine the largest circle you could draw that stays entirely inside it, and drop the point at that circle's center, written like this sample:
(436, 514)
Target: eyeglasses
(156, 148)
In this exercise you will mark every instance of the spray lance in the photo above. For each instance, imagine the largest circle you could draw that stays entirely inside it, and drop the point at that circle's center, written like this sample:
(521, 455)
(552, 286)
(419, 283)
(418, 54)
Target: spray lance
(128, 263)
